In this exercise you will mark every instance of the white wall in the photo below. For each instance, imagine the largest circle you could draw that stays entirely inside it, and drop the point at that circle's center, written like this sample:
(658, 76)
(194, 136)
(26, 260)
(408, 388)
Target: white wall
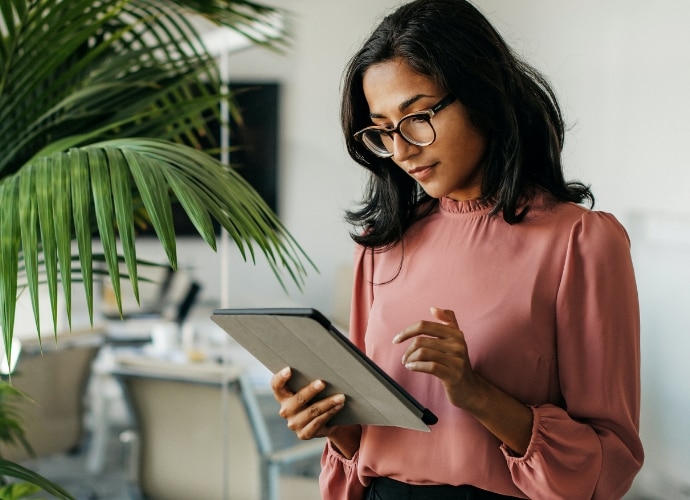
(622, 71)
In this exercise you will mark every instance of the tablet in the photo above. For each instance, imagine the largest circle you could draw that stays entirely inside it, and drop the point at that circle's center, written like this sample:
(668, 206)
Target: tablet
(307, 342)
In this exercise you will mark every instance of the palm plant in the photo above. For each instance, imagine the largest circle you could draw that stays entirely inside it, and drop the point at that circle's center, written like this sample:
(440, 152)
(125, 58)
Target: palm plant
(97, 101)
(11, 431)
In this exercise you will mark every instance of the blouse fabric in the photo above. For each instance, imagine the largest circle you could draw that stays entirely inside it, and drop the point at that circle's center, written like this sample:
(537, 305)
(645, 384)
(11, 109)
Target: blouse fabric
(550, 315)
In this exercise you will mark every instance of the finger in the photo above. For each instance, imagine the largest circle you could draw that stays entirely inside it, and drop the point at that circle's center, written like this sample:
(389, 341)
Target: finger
(311, 422)
(441, 364)
(301, 399)
(429, 328)
(445, 316)
(431, 348)
(435, 368)
(278, 384)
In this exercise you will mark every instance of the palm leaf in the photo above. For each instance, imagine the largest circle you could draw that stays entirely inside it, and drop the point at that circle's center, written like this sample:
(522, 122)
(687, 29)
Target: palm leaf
(259, 23)
(9, 260)
(11, 469)
(123, 70)
(94, 97)
(11, 422)
(12, 432)
(114, 169)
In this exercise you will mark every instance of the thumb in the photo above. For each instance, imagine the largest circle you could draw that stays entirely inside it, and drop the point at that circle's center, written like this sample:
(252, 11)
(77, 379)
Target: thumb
(445, 316)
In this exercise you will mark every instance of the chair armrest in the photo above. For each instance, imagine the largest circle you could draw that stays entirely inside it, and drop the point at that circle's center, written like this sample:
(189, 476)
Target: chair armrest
(300, 451)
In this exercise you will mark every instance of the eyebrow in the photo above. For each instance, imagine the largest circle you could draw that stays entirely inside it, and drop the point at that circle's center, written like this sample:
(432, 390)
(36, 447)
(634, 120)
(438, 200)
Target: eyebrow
(403, 105)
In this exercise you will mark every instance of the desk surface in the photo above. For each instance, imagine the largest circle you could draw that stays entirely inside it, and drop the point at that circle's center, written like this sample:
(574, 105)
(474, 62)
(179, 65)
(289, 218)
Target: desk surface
(203, 372)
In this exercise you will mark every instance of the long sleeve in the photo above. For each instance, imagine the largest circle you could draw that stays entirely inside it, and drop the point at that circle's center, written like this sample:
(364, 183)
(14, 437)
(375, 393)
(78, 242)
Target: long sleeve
(589, 446)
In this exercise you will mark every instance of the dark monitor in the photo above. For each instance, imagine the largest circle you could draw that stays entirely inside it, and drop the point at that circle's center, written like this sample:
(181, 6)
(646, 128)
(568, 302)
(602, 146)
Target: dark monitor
(254, 147)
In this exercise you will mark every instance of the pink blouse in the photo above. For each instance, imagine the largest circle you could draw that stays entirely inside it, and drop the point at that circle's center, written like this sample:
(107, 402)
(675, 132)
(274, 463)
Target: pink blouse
(550, 315)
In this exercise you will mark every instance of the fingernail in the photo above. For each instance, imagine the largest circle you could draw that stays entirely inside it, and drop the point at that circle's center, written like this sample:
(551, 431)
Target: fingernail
(318, 384)
(339, 399)
(285, 371)
(396, 338)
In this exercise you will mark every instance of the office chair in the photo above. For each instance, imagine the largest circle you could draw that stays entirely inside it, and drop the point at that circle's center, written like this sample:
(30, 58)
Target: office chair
(54, 377)
(185, 449)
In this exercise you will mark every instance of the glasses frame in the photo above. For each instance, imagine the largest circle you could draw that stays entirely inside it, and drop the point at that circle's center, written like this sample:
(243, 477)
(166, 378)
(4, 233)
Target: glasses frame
(426, 115)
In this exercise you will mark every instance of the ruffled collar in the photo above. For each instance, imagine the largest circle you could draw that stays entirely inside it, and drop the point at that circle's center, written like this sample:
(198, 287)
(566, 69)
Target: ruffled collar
(464, 207)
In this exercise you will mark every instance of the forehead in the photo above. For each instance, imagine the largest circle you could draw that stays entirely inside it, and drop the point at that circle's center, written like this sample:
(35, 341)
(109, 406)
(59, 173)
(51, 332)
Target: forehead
(390, 83)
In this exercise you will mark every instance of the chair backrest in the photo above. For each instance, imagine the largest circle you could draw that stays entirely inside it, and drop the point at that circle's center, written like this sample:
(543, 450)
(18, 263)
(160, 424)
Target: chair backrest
(204, 434)
(55, 378)
(186, 448)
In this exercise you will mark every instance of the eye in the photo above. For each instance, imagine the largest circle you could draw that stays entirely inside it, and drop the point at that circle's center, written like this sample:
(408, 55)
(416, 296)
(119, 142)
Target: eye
(382, 126)
(417, 118)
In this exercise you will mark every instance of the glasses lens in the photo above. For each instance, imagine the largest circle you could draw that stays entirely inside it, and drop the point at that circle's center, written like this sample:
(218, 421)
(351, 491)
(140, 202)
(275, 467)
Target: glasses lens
(417, 129)
(380, 143)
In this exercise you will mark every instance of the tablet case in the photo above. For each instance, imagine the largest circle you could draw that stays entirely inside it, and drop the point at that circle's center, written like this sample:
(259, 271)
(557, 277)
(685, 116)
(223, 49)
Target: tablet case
(307, 342)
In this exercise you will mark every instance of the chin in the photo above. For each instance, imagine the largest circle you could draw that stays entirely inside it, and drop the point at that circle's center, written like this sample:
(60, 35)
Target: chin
(434, 192)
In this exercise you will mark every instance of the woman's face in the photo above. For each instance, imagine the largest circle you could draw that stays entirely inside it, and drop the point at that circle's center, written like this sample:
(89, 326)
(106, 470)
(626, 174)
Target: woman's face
(452, 165)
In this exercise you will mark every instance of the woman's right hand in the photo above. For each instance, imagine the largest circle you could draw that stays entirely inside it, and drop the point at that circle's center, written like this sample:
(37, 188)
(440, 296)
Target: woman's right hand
(308, 418)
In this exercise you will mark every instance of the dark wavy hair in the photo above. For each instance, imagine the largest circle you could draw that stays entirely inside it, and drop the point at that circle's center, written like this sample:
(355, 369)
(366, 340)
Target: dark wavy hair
(451, 42)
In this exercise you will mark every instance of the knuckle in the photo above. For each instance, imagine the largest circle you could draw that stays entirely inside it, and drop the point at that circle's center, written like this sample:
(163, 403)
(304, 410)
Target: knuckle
(299, 397)
(425, 352)
(418, 345)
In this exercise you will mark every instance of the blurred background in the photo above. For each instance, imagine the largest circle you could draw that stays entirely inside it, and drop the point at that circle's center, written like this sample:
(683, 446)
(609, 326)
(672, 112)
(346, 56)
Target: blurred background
(621, 69)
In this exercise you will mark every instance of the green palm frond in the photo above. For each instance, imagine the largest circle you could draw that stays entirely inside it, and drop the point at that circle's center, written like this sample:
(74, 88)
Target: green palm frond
(17, 471)
(11, 422)
(55, 197)
(97, 99)
(261, 24)
(12, 433)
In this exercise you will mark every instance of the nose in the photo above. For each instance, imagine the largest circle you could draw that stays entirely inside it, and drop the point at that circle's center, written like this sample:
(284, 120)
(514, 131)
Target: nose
(402, 150)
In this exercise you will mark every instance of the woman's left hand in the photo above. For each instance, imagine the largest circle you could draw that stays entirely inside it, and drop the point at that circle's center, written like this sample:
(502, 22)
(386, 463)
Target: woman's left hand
(439, 348)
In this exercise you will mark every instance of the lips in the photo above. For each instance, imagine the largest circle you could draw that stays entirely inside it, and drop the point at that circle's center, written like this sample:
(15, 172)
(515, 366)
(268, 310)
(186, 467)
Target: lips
(421, 173)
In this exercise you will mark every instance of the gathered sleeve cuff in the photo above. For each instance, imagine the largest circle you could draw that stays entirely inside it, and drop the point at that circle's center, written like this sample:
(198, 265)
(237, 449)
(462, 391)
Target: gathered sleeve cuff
(338, 479)
(563, 459)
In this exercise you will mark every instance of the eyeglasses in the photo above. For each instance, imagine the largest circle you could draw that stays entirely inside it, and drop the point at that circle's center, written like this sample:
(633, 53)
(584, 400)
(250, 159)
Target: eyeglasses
(415, 128)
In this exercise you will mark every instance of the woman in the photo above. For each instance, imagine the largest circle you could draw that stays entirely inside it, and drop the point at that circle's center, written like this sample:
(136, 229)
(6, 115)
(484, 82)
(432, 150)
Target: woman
(481, 283)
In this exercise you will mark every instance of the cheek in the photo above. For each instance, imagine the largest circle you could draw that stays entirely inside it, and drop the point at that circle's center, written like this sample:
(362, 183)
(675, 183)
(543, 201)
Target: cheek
(477, 144)
(468, 145)
(467, 138)
(474, 143)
